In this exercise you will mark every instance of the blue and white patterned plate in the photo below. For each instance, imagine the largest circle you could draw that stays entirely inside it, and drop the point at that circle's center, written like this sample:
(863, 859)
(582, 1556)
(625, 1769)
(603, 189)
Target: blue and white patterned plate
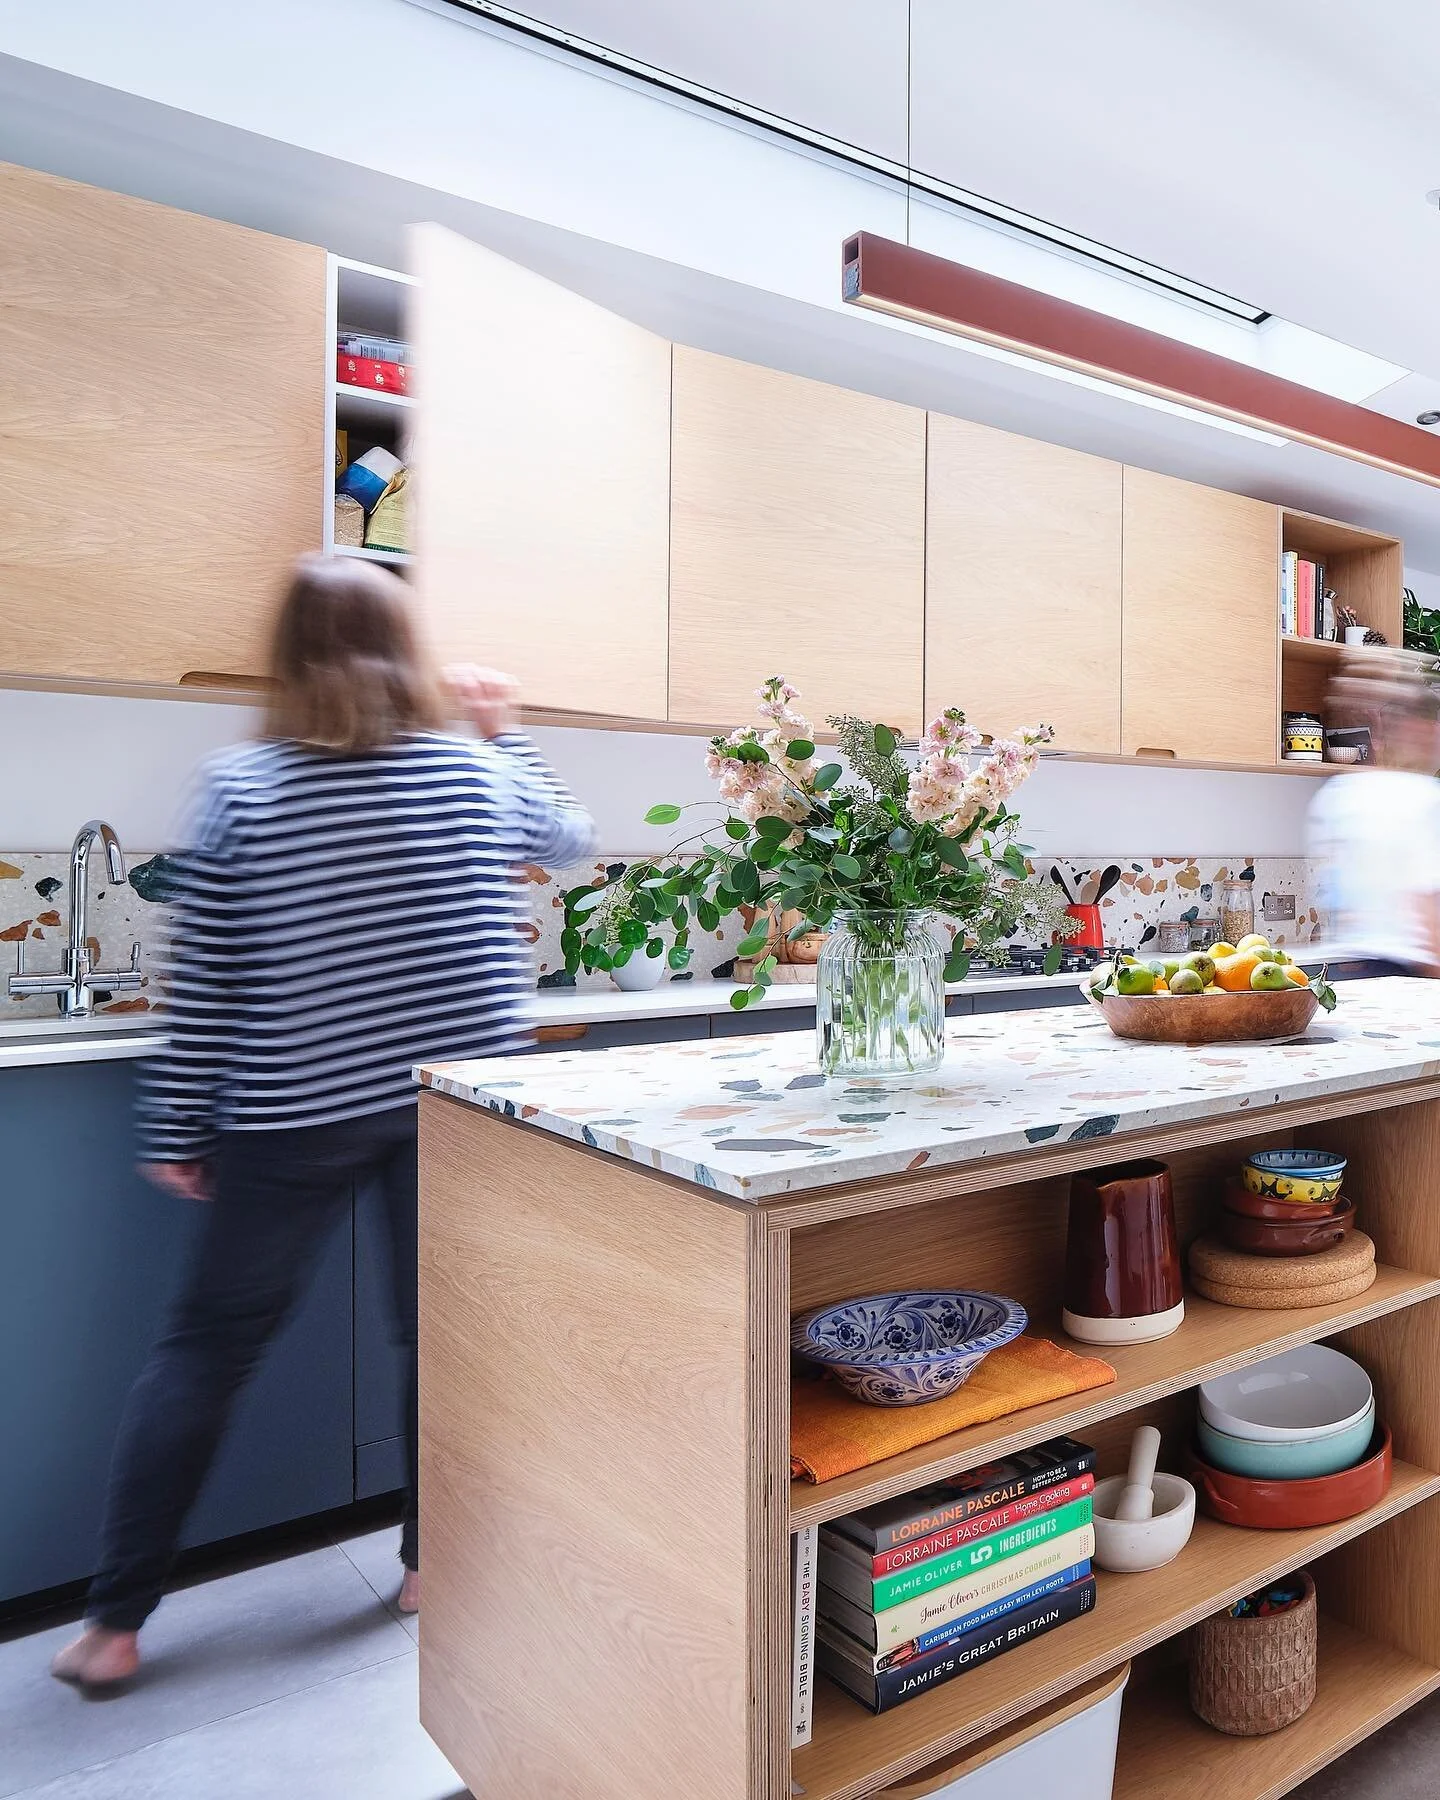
(906, 1348)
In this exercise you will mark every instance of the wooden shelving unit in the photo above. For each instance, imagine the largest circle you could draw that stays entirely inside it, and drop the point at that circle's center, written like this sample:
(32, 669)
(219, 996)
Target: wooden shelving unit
(361, 296)
(1367, 571)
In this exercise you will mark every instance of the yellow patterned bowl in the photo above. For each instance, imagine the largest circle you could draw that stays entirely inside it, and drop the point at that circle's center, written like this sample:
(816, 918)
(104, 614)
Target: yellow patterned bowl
(1306, 1176)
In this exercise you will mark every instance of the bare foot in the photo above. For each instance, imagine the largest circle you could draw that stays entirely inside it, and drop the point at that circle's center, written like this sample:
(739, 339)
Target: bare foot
(98, 1658)
(409, 1601)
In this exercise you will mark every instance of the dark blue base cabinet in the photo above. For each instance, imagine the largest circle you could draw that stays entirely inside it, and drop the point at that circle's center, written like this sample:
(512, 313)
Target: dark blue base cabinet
(89, 1257)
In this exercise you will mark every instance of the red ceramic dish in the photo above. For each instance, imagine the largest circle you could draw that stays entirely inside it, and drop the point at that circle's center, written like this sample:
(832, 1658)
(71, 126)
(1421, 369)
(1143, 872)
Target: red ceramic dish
(1239, 1199)
(1264, 1237)
(1287, 1505)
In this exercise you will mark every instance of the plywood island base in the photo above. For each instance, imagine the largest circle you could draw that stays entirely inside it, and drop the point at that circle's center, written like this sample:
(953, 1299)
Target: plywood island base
(606, 1500)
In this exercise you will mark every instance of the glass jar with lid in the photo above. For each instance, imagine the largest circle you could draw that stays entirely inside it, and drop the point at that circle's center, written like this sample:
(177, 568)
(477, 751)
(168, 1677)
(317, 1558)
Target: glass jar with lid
(1237, 910)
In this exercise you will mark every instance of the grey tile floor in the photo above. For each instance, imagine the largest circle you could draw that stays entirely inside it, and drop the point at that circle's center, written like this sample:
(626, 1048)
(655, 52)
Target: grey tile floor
(295, 1679)
(291, 1680)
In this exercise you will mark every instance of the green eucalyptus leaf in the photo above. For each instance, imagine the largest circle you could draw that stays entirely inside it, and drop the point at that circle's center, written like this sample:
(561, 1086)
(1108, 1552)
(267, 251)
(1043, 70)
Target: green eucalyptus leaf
(758, 991)
(901, 840)
(764, 969)
(884, 740)
(664, 814)
(737, 829)
(679, 918)
(740, 999)
(1052, 958)
(753, 942)
(745, 879)
(799, 749)
(826, 776)
(708, 915)
(772, 827)
(847, 866)
(823, 834)
(750, 751)
(950, 852)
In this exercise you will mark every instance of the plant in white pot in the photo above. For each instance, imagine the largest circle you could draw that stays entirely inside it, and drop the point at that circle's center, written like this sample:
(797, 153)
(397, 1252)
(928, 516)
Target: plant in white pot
(876, 861)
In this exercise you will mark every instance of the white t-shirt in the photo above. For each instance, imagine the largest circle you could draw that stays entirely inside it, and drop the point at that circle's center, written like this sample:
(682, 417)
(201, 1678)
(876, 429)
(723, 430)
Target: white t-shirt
(1376, 835)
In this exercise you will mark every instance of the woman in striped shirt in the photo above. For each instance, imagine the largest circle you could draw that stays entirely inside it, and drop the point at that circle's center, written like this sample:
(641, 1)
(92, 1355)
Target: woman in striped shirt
(347, 907)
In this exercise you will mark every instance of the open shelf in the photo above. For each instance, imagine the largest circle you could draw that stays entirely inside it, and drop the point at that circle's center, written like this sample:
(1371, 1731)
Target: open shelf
(352, 400)
(365, 554)
(1212, 1340)
(1166, 1753)
(853, 1751)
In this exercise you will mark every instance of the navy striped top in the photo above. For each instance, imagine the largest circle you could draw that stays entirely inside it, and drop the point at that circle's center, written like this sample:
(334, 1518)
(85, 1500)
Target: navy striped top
(338, 919)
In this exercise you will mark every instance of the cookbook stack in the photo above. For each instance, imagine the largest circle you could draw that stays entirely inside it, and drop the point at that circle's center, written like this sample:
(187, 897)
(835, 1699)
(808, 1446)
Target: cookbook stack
(915, 1591)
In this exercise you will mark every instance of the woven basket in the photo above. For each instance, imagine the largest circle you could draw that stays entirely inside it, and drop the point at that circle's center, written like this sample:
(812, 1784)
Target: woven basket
(349, 521)
(1253, 1676)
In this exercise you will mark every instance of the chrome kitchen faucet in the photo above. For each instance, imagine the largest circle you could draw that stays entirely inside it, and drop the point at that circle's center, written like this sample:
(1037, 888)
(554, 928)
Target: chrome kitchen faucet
(75, 985)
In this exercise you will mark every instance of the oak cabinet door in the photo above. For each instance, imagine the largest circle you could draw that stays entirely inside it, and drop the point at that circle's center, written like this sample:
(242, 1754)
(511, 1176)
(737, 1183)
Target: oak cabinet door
(162, 413)
(1201, 657)
(542, 456)
(797, 532)
(1022, 584)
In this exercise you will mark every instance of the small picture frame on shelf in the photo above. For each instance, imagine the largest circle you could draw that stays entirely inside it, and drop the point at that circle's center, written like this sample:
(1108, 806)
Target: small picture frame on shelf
(1347, 744)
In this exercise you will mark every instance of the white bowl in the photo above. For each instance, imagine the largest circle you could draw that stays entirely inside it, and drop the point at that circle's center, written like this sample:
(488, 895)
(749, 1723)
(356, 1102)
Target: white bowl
(1309, 1392)
(1130, 1545)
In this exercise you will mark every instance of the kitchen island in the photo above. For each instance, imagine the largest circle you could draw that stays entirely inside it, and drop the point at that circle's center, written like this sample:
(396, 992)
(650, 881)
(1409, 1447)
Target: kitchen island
(612, 1246)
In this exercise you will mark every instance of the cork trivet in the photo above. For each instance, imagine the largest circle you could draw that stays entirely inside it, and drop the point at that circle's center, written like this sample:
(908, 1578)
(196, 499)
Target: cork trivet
(1214, 1261)
(1284, 1299)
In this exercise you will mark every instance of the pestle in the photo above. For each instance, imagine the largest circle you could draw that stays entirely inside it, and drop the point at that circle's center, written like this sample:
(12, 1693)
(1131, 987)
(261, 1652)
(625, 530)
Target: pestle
(1137, 1497)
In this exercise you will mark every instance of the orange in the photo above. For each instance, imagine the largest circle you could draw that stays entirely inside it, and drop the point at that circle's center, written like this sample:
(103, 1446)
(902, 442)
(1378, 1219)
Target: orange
(1298, 976)
(1162, 986)
(1232, 973)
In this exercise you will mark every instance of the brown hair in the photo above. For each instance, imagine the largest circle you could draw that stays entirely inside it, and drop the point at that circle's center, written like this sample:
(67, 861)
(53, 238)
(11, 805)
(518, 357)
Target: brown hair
(349, 670)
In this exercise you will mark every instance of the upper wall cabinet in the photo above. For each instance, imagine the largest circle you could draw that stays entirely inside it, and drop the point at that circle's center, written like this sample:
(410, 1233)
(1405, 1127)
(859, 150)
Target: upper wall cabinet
(1022, 584)
(542, 453)
(1201, 676)
(161, 423)
(797, 545)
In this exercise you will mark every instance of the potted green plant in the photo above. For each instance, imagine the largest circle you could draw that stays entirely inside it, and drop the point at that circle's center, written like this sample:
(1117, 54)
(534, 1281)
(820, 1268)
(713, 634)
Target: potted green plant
(882, 860)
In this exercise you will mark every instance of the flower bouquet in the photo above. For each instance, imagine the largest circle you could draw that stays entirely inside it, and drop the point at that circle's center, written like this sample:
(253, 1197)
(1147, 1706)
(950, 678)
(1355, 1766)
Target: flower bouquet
(876, 858)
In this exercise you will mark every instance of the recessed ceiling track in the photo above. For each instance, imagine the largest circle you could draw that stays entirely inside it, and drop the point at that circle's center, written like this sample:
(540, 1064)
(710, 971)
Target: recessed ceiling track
(991, 212)
(893, 278)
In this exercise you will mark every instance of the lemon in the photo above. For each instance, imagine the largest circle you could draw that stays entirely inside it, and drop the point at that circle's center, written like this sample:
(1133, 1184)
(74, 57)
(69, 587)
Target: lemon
(1254, 944)
(1216, 951)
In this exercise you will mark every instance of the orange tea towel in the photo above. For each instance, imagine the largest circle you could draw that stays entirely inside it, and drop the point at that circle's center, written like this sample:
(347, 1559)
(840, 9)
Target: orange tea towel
(832, 1433)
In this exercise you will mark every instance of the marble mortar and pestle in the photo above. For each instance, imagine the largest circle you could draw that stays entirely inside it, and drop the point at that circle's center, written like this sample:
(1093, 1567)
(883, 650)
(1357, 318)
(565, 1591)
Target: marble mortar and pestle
(1142, 1520)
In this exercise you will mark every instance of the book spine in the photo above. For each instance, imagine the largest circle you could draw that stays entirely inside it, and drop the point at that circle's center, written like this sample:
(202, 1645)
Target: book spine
(895, 1686)
(1289, 612)
(983, 1498)
(970, 1558)
(1016, 1512)
(803, 1553)
(937, 1612)
(1307, 598)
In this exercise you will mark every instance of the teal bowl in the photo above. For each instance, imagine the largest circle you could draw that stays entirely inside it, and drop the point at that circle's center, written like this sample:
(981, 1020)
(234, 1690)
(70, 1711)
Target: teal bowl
(1298, 1461)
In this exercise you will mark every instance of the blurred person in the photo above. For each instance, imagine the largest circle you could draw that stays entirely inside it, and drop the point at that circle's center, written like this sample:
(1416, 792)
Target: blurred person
(1376, 831)
(347, 906)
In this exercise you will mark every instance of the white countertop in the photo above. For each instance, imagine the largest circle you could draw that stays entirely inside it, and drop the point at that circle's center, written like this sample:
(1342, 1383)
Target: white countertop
(109, 1036)
(752, 1118)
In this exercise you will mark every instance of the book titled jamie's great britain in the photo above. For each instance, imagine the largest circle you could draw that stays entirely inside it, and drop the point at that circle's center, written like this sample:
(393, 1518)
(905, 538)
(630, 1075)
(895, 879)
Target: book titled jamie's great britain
(892, 1687)
(951, 1502)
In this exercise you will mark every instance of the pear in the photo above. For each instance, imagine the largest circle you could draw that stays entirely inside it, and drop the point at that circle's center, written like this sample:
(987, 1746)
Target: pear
(1269, 978)
(1203, 965)
(1186, 981)
(1133, 979)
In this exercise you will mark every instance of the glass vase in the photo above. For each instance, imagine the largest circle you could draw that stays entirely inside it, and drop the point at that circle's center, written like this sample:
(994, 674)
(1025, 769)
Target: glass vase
(880, 996)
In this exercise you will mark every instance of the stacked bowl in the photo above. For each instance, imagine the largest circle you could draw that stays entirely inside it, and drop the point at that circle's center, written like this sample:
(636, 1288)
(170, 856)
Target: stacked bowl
(1287, 1203)
(1291, 1441)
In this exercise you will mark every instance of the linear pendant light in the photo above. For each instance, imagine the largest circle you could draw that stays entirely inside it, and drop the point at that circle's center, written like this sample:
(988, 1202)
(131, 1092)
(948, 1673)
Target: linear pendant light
(888, 277)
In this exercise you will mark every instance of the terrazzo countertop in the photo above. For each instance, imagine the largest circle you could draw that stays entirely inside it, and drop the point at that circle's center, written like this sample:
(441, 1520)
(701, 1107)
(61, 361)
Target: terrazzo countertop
(752, 1119)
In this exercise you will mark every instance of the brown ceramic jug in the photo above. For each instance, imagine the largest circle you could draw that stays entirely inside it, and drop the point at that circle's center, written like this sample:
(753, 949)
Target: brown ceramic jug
(1122, 1256)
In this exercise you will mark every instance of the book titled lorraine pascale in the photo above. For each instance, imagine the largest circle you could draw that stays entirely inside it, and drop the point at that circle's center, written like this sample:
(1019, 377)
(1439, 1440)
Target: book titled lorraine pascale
(882, 1689)
(946, 1503)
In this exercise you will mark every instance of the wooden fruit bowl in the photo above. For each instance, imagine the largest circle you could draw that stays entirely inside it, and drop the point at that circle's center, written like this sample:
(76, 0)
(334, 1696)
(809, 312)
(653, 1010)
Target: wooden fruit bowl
(1206, 1018)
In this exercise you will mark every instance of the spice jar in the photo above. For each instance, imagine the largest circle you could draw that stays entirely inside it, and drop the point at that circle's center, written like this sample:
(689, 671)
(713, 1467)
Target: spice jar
(1237, 910)
(1302, 737)
(1172, 938)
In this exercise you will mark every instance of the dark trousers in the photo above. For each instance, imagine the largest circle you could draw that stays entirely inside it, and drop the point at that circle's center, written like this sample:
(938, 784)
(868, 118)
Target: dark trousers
(278, 1196)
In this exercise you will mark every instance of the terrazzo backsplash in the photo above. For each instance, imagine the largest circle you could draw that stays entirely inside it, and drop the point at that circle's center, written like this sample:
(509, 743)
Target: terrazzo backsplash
(1149, 890)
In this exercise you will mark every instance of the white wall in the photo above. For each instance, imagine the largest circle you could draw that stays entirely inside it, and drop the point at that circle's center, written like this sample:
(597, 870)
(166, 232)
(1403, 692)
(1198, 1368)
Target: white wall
(65, 757)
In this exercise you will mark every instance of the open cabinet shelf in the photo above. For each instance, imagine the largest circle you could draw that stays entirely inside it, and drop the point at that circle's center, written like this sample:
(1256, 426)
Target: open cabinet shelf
(854, 1751)
(1212, 1340)
(1166, 1753)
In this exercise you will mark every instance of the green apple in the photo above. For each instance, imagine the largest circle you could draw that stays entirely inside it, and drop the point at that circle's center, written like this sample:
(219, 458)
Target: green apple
(1269, 978)
(1134, 979)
